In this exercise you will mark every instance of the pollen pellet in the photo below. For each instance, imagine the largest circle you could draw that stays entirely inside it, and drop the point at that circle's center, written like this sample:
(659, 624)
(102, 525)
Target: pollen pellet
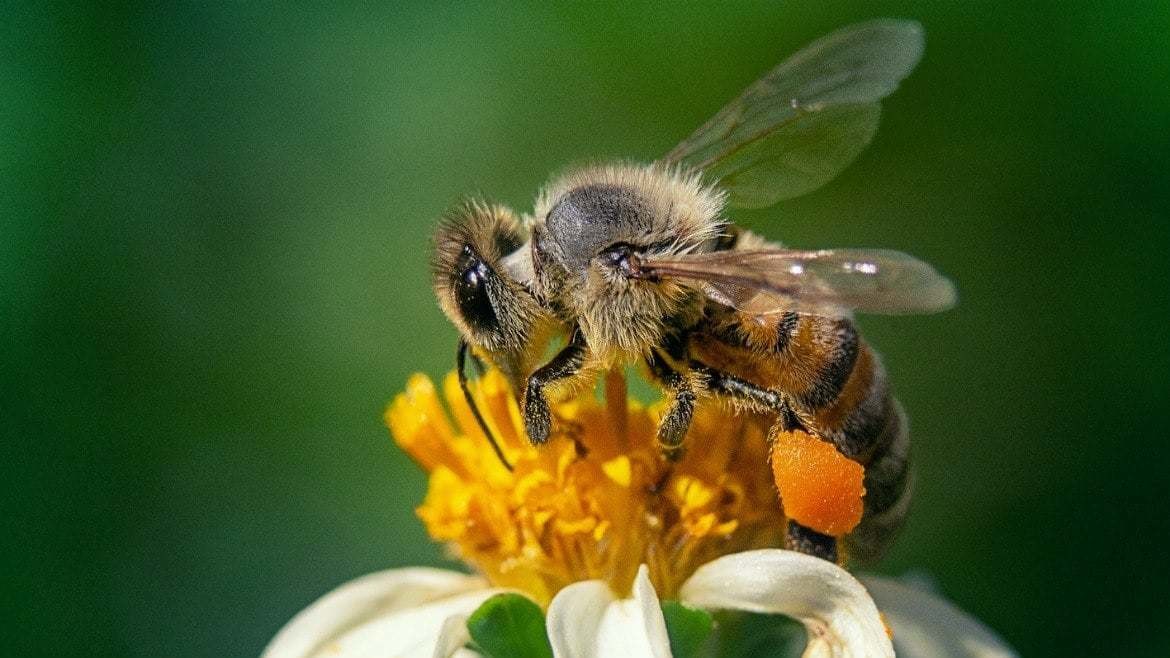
(819, 487)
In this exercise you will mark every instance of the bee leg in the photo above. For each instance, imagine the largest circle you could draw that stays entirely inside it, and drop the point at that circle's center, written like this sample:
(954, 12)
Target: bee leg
(674, 425)
(810, 542)
(723, 383)
(567, 362)
(798, 537)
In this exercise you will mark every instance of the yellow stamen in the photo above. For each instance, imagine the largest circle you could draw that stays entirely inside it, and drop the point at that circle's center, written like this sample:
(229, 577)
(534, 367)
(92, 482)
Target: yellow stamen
(598, 499)
(618, 470)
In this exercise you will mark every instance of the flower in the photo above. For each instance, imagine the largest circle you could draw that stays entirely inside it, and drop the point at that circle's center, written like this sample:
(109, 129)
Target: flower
(598, 528)
(597, 500)
(423, 612)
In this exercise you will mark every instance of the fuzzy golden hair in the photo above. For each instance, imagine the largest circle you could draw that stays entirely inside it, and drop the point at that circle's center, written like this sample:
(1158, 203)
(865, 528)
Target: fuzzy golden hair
(623, 318)
(475, 231)
(689, 210)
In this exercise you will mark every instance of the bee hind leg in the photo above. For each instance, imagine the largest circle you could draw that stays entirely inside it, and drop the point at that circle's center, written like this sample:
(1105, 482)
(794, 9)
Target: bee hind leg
(798, 537)
(758, 397)
(810, 542)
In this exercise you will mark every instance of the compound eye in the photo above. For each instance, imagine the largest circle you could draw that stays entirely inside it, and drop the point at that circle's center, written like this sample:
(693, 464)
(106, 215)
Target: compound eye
(471, 292)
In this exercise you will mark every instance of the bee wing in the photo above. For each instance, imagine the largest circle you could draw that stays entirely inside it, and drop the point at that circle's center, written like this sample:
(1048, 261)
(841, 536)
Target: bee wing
(825, 282)
(806, 120)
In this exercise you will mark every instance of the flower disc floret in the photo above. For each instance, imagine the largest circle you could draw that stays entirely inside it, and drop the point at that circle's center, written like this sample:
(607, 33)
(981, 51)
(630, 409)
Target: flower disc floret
(597, 500)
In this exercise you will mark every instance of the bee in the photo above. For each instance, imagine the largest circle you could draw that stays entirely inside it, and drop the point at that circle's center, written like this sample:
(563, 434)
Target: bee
(637, 263)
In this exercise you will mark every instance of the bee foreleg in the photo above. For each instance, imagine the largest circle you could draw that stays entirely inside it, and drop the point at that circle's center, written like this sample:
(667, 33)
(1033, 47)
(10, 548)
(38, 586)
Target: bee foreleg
(567, 362)
(677, 420)
(759, 397)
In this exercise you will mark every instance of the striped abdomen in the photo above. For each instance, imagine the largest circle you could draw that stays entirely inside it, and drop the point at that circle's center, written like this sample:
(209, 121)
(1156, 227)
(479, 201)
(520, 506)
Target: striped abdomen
(838, 389)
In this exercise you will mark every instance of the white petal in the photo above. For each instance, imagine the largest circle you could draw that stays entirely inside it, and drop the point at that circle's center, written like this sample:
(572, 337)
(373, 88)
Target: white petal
(453, 634)
(635, 627)
(926, 625)
(840, 617)
(418, 596)
(414, 632)
(586, 620)
(573, 618)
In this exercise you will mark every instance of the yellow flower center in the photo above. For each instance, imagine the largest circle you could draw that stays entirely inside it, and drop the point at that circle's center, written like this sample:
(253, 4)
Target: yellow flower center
(598, 499)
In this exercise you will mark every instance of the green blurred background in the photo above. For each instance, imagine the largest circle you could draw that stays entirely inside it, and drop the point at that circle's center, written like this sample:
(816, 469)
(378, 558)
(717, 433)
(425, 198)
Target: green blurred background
(214, 225)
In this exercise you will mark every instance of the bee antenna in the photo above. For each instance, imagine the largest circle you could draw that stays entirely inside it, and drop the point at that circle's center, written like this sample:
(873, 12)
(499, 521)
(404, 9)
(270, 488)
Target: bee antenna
(461, 367)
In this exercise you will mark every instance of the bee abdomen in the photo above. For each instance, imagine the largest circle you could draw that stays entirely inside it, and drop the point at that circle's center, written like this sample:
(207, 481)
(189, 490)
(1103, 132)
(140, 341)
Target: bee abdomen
(867, 425)
(833, 346)
(864, 411)
(888, 487)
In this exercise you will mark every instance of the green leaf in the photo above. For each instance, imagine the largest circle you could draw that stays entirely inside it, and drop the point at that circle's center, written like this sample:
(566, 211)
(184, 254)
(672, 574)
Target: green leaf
(509, 626)
(687, 628)
(752, 635)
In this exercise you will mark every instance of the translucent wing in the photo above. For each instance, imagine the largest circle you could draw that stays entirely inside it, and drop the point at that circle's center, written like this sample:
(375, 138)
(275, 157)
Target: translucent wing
(827, 282)
(797, 127)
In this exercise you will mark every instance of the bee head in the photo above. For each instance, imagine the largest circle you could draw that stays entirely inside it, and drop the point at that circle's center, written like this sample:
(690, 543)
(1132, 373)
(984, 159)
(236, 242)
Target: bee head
(489, 306)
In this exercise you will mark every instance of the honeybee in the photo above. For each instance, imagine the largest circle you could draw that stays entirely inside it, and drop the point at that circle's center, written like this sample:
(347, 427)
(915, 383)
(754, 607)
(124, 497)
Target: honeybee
(637, 263)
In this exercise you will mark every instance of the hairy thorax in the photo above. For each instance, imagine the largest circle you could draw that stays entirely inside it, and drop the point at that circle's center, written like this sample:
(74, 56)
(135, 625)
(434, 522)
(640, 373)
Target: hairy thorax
(625, 320)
